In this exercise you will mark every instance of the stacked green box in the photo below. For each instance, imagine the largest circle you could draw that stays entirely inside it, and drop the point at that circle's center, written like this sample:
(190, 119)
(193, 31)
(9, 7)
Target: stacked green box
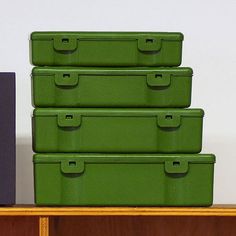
(109, 131)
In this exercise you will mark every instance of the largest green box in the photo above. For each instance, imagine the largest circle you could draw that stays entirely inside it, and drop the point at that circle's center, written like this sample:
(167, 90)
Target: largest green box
(111, 87)
(117, 130)
(106, 48)
(128, 180)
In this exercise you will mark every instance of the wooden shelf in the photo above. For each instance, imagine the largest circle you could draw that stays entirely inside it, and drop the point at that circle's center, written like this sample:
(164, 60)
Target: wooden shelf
(26, 210)
(221, 217)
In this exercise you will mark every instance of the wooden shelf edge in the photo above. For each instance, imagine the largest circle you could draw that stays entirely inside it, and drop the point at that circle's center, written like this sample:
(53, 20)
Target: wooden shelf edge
(27, 210)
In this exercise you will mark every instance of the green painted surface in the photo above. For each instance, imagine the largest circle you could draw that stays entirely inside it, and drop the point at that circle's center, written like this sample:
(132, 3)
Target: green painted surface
(124, 179)
(117, 130)
(111, 87)
(106, 48)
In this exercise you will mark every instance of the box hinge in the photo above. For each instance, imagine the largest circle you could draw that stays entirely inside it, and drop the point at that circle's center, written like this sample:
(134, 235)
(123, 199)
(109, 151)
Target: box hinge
(72, 166)
(69, 119)
(176, 167)
(158, 79)
(168, 120)
(67, 79)
(65, 43)
(149, 44)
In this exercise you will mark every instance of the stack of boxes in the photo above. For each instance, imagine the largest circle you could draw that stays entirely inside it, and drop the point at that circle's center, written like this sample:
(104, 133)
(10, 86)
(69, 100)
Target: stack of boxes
(109, 131)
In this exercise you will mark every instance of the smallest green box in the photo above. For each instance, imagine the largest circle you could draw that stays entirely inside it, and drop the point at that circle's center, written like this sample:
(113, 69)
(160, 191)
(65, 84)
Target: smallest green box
(124, 179)
(106, 48)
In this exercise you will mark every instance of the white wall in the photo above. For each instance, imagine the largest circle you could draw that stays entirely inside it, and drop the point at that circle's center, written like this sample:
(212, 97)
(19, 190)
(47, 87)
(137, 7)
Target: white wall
(209, 48)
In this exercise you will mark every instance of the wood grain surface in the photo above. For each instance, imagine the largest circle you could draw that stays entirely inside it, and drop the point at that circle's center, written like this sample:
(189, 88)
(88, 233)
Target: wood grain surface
(19, 226)
(43, 226)
(142, 226)
(27, 210)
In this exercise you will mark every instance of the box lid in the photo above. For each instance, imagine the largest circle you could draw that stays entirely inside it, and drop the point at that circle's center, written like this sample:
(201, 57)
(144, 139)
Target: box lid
(176, 71)
(75, 163)
(122, 158)
(172, 36)
(119, 112)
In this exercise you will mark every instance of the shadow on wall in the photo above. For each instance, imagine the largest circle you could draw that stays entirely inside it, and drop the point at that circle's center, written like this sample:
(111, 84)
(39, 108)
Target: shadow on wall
(225, 174)
(24, 171)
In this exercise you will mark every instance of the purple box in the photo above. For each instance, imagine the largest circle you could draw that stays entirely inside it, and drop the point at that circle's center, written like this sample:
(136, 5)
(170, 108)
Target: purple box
(7, 139)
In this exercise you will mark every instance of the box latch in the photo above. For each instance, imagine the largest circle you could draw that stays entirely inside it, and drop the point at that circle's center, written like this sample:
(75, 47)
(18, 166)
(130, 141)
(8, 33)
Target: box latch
(68, 120)
(149, 44)
(67, 79)
(72, 166)
(168, 120)
(176, 167)
(158, 79)
(65, 43)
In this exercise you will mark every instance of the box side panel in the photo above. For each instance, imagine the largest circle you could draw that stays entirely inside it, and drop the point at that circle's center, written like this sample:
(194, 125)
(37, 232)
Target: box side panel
(110, 91)
(122, 134)
(104, 52)
(127, 184)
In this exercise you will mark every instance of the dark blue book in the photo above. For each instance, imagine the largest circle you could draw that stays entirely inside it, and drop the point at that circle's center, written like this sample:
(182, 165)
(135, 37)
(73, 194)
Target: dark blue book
(7, 139)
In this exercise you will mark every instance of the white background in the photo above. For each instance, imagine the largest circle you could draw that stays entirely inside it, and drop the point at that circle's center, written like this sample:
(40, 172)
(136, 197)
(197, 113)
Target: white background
(209, 48)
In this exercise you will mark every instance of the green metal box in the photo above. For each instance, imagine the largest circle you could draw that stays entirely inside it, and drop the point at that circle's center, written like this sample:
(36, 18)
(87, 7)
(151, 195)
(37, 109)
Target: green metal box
(111, 87)
(106, 48)
(124, 179)
(117, 130)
